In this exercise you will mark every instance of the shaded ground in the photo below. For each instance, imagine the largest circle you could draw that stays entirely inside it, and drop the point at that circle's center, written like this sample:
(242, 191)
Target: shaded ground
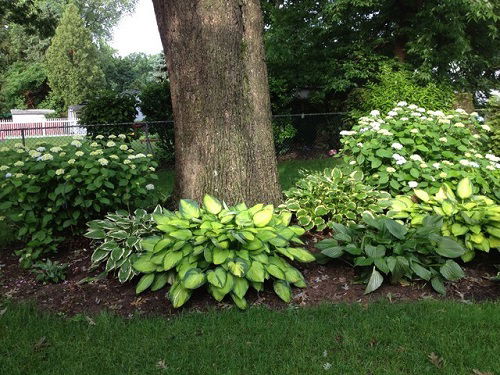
(333, 282)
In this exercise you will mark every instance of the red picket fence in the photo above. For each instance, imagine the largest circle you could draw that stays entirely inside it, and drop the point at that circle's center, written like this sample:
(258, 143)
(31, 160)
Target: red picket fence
(48, 128)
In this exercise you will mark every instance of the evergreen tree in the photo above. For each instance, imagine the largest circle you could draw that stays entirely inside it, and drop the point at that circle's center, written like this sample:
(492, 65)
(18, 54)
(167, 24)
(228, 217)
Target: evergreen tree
(72, 60)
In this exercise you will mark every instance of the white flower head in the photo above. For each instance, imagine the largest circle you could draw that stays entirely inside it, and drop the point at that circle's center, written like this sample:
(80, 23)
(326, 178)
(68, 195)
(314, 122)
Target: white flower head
(18, 163)
(375, 113)
(152, 169)
(60, 172)
(79, 153)
(390, 169)
(122, 136)
(103, 161)
(397, 146)
(402, 104)
(150, 187)
(124, 147)
(443, 174)
(412, 106)
(111, 144)
(99, 136)
(352, 162)
(40, 149)
(126, 161)
(359, 144)
(112, 136)
(392, 113)
(436, 165)
(114, 157)
(414, 131)
(413, 184)
(486, 127)
(416, 157)
(76, 143)
(94, 144)
(46, 157)
(443, 139)
(459, 125)
(71, 161)
(3, 168)
(404, 118)
(56, 149)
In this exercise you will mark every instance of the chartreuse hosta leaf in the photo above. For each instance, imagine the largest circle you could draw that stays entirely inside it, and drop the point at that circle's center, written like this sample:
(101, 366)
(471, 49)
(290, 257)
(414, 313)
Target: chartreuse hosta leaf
(472, 220)
(228, 249)
(389, 249)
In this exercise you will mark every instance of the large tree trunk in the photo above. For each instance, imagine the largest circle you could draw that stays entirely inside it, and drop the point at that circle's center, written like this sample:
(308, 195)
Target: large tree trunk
(220, 97)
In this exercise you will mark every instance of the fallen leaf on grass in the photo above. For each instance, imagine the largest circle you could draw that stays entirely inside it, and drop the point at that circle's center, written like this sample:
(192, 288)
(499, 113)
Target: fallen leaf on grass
(3, 311)
(161, 365)
(436, 360)
(40, 344)
(477, 372)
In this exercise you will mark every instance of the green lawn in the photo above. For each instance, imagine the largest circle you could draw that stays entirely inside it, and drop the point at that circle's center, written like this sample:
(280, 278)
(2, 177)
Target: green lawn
(382, 338)
(289, 172)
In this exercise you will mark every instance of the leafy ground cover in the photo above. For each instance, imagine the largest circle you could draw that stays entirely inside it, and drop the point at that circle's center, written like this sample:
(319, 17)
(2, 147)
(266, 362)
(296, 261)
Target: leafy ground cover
(381, 338)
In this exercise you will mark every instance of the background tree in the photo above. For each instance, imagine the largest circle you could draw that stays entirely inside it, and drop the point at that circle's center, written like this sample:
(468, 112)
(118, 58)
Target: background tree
(72, 60)
(220, 99)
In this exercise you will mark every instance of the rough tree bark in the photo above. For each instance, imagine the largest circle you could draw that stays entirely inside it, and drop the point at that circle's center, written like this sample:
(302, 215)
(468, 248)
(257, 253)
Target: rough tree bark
(220, 97)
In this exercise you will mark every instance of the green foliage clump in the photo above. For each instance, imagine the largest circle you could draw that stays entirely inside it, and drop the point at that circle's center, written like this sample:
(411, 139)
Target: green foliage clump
(156, 105)
(226, 248)
(109, 107)
(120, 233)
(284, 132)
(493, 121)
(72, 60)
(50, 191)
(470, 219)
(382, 245)
(335, 195)
(50, 272)
(413, 147)
(392, 86)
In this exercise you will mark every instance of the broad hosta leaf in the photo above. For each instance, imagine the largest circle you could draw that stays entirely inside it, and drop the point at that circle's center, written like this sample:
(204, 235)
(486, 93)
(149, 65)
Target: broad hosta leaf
(256, 272)
(179, 295)
(240, 287)
(420, 271)
(397, 230)
(212, 204)
(438, 285)
(238, 267)
(464, 188)
(422, 195)
(376, 279)
(449, 248)
(172, 259)
(217, 277)
(144, 283)
(301, 254)
(183, 234)
(96, 234)
(240, 302)
(194, 278)
(161, 279)
(189, 208)
(283, 290)
(451, 271)
(262, 218)
(144, 265)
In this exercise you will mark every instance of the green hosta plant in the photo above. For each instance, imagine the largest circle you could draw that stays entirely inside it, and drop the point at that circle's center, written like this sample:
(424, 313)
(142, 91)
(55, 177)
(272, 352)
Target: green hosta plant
(334, 195)
(474, 220)
(383, 247)
(228, 249)
(50, 272)
(411, 147)
(119, 235)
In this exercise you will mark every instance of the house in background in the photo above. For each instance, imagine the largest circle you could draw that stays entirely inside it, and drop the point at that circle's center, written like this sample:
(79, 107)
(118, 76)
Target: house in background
(30, 115)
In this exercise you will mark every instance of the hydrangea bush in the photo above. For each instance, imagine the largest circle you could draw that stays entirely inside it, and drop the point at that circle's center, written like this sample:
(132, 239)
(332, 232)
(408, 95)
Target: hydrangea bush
(51, 190)
(412, 147)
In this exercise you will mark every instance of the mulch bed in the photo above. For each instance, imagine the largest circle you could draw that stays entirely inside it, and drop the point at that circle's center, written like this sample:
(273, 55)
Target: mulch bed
(333, 282)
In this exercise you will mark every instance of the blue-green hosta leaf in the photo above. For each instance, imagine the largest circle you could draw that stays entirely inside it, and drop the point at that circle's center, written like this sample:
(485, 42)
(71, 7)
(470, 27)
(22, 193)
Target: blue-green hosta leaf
(451, 271)
(193, 279)
(438, 286)
(376, 279)
(396, 229)
(449, 248)
(189, 209)
(212, 204)
(283, 290)
(144, 282)
(420, 271)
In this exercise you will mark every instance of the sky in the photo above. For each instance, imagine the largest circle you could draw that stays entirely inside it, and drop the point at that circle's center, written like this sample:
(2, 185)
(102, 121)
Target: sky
(137, 32)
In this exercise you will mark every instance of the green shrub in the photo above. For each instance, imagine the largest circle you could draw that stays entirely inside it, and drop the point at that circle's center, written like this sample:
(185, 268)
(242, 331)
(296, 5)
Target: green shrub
(383, 246)
(493, 121)
(411, 147)
(52, 191)
(109, 107)
(395, 85)
(50, 272)
(470, 219)
(120, 234)
(284, 133)
(228, 249)
(332, 196)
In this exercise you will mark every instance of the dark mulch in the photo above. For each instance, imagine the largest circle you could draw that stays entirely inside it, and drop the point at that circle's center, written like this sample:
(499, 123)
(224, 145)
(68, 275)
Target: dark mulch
(333, 282)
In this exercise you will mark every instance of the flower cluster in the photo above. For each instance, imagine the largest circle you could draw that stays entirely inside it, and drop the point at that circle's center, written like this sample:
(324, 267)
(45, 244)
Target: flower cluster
(411, 145)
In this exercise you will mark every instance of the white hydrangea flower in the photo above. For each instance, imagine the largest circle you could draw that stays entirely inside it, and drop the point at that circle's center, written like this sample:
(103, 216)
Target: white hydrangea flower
(474, 114)
(397, 146)
(474, 164)
(114, 157)
(416, 157)
(17, 145)
(416, 114)
(347, 132)
(122, 136)
(94, 144)
(485, 127)
(479, 156)
(46, 157)
(412, 184)
(447, 162)
(402, 104)
(150, 187)
(40, 149)
(359, 144)
(140, 155)
(103, 161)
(492, 157)
(132, 166)
(152, 169)
(352, 162)
(412, 106)
(490, 167)
(76, 143)
(96, 152)
(111, 144)
(112, 136)
(71, 161)
(131, 157)
(62, 154)
(423, 165)
(460, 110)
(468, 154)
(436, 165)
(8, 175)
(444, 121)
(477, 136)
(19, 150)
(78, 137)
(18, 163)
(464, 162)
(390, 169)
(421, 110)
(443, 174)
(443, 139)
(3, 168)
(375, 113)
(56, 149)
(79, 153)
(392, 113)
(35, 154)
(459, 125)
(126, 161)
(60, 172)
(124, 147)
(414, 131)
(100, 136)
(404, 118)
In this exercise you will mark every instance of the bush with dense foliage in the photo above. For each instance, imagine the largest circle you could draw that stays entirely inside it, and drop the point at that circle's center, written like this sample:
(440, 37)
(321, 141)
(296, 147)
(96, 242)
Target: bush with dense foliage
(412, 147)
(53, 190)
(119, 235)
(382, 245)
(493, 121)
(109, 107)
(471, 219)
(229, 249)
(49, 272)
(335, 195)
(392, 86)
